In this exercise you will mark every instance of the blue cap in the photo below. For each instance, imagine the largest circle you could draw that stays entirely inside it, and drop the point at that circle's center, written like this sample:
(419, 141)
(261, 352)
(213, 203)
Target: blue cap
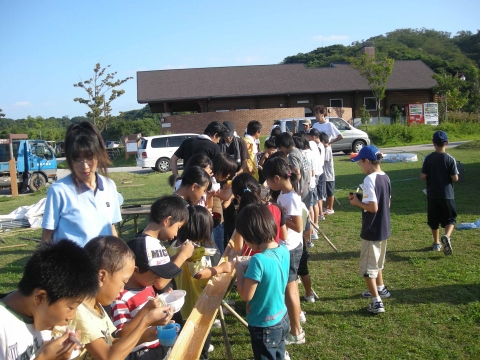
(439, 138)
(367, 152)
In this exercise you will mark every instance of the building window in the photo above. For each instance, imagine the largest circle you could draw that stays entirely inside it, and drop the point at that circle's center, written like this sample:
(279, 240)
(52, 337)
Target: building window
(241, 109)
(221, 110)
(336, 103)
(308, 112)
(302, 101)
(370, 103)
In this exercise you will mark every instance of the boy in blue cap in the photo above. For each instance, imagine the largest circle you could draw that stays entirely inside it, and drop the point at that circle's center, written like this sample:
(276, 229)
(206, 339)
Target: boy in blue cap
(440, 171)
(375, 204)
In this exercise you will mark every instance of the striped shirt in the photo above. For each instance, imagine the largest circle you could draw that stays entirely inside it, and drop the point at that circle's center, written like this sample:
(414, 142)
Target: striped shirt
(127, 305)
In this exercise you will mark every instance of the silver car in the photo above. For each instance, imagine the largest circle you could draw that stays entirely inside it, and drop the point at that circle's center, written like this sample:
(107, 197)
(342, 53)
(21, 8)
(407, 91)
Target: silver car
(353, 138)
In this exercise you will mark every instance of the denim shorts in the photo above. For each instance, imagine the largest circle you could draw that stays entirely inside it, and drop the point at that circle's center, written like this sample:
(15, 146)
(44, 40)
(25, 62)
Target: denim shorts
(268, 343)
(295, 256)
(330, 186)
(321, 188)
(313, 197)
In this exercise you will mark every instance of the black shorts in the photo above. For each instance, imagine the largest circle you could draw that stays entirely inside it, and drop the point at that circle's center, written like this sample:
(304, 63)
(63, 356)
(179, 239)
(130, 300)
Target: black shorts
(303, 265)
(321, 191)
(330, 185)
(441, 212)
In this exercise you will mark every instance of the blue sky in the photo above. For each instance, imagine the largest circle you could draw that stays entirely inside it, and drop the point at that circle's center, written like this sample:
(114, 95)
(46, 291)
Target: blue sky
(47, 46)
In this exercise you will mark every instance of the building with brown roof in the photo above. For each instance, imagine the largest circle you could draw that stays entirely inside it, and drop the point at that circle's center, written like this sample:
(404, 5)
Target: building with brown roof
(288, 90)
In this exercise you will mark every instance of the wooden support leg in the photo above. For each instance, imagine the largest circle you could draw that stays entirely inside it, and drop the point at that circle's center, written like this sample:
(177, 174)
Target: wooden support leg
(323, 235)
(234, 313)
(225, 335)
(13, 246)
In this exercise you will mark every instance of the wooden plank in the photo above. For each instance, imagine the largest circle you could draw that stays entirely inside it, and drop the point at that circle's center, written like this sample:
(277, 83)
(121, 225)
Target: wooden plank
(197, 327)
(12, 246)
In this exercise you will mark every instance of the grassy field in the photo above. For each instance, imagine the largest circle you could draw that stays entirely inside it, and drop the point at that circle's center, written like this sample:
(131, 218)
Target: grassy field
(434, 311)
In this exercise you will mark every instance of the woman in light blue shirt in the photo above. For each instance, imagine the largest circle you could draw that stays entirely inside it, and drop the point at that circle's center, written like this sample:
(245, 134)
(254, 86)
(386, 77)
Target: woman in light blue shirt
(84, 204)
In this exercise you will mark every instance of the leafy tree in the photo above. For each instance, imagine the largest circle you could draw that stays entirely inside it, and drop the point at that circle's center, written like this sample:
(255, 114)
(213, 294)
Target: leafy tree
(1, 114)
(448, 88)
(473, 83)
(365, 115)
(376, 73)
(456, 99)
(97, 89)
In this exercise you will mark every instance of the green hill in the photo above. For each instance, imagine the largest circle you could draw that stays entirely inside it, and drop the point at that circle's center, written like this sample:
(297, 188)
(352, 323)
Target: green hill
(438, 49)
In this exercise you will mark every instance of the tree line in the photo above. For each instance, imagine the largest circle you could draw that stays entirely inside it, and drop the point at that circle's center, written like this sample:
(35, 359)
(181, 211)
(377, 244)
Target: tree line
(54, 129)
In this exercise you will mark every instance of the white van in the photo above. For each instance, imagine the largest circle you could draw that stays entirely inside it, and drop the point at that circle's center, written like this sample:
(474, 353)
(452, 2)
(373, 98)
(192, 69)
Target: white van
(353, 138)
(155, 151)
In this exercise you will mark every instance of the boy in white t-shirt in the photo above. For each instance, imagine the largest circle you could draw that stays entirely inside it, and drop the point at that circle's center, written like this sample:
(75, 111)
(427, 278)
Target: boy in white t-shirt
(56, 279)
(329, 175)
(320, 190)
(323, 125)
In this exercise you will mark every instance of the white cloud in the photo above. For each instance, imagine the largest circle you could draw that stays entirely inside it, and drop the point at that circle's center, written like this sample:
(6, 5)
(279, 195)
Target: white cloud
(330, 38)
(22, 104)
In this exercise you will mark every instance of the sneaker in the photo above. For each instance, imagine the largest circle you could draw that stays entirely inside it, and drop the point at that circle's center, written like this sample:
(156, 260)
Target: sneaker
(321, 217)
(292, 339)
(436, 247)
(310, 244)
(310, 299)
(211, 348)
(314, 236)
(303, 317)
(382, 293)
(286, 356)
(216, 324)
(447, 245)
(329, 212)
(376, 307)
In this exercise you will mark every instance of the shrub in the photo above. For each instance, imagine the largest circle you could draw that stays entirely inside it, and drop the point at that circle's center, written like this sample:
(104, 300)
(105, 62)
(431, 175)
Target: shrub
(462, 117)
(396, 134)
(395, 114)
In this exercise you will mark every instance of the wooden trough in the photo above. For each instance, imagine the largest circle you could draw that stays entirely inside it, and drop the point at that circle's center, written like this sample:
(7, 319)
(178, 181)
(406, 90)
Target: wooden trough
(197, 327)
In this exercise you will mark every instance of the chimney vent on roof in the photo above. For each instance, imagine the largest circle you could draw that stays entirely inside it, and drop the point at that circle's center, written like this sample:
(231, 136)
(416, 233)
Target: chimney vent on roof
(368, 48)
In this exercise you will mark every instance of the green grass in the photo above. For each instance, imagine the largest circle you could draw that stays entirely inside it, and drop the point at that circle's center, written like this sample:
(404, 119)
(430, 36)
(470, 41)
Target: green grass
(434, 311)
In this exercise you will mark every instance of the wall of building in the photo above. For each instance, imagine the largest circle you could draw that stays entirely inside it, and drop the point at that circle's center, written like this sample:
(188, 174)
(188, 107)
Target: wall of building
(196, 123)
(400, 98)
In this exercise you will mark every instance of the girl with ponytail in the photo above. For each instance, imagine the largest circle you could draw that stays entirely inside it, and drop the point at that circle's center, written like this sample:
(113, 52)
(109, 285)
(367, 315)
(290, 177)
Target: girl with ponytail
(247, 191)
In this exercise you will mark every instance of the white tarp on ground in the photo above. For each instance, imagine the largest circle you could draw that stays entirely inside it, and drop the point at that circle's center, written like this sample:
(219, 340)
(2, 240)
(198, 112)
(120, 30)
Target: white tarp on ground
(468, 226)
(33, 214)
(401, 157)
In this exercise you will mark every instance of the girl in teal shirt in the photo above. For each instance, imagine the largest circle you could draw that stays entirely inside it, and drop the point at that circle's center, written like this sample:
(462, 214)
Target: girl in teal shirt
(262, 282)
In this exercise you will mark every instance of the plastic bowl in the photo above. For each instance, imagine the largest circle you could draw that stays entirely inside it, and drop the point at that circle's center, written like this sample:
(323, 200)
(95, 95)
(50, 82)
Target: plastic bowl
(210, 251)
(175, 299)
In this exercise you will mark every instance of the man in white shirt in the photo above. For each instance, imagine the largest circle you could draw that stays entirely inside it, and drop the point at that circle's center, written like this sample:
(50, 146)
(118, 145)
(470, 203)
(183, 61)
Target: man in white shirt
(325, 126)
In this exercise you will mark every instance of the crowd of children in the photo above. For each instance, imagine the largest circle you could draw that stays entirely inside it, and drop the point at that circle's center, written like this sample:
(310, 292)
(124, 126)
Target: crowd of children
(108, 289)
